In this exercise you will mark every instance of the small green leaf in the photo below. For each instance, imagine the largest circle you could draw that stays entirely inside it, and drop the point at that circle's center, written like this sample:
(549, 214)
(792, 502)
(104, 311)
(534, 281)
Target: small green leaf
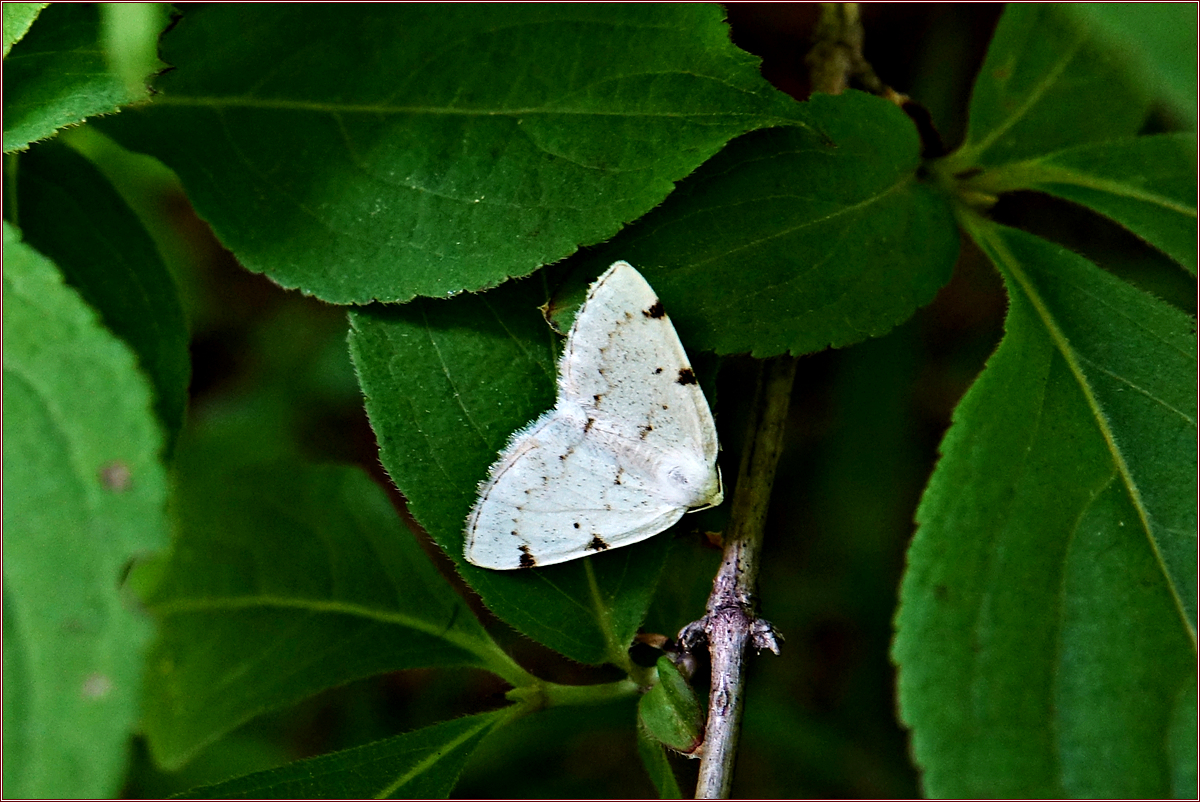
(69, 212)
(423, 764)
(1047, 84)
(84, 494)
(1147, 184)
(670, 713)
(17, 19)
(58, 76)
(658, 766)
(421, 150)
(447, 383)
(1048, 614)
(1157, 42)
(793, 240)
(286, 579)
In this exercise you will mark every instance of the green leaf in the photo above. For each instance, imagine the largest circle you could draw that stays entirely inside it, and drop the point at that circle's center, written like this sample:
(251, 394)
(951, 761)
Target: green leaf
(58, 76)
(423, 764)
(69, 212)
(1047, 84)
(446, 384)
(17, 19)
(670, 713)
(245, 751)
(1158, 43)
(286, 579)
(84, 494)
(420, 150)
(1182, 744)
(658, 766)
(687, 577)
(1047, 625)
(793, 240)
(1147, 184)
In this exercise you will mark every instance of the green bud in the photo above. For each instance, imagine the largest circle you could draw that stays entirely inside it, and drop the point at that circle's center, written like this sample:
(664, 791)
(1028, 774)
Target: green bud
(670, 713)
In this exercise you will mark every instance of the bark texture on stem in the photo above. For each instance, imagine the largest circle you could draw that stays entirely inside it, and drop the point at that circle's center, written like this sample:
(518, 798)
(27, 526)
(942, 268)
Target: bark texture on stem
(731, 623)
(836, 57)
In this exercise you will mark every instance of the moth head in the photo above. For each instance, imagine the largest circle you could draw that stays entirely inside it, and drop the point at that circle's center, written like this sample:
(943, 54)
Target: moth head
(689, 482)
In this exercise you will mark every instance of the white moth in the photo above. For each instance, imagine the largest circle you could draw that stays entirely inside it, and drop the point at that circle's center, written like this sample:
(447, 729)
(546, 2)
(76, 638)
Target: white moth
(628, 448)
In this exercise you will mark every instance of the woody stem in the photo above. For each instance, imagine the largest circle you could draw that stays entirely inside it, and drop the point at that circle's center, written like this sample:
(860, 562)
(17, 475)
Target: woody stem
(731, 622)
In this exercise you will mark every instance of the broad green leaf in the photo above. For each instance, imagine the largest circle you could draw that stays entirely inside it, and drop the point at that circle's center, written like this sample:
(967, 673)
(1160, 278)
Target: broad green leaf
(286, 579)
(1147, 184)
(57, 76)
(1182, 744)
(1157, 42)
(1047, 627)
(1047, 84)
(687, 576)
(795, 240)
(447, 382)
(386, 151)
(17, 19)
(244, 751)
(84, 494)
(423, 764)
(669, 712)
(69, 212)
(658, 766)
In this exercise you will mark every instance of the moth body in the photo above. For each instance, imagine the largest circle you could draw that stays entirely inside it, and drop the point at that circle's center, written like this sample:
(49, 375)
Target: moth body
(628, 448)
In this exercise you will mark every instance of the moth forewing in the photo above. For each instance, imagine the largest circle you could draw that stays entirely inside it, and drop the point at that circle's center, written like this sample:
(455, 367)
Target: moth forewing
(629, 447)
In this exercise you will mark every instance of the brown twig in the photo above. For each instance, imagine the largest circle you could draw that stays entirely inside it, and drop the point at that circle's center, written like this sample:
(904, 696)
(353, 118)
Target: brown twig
(731, 622)
(836, 56)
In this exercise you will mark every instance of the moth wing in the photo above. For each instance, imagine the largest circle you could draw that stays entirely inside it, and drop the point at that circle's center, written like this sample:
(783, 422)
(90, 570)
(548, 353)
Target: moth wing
(556, 495)
(624, 361)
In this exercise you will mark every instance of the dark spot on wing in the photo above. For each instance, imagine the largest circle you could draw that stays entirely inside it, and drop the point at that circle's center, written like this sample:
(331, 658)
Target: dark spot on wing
(596, 398)
(562, 457)
(657, 371)
(617, 480)
(576, 526)
(597, 544)
(645, 430)
(686, 376)
(587, 427)
(655, 310)
(527, 560)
